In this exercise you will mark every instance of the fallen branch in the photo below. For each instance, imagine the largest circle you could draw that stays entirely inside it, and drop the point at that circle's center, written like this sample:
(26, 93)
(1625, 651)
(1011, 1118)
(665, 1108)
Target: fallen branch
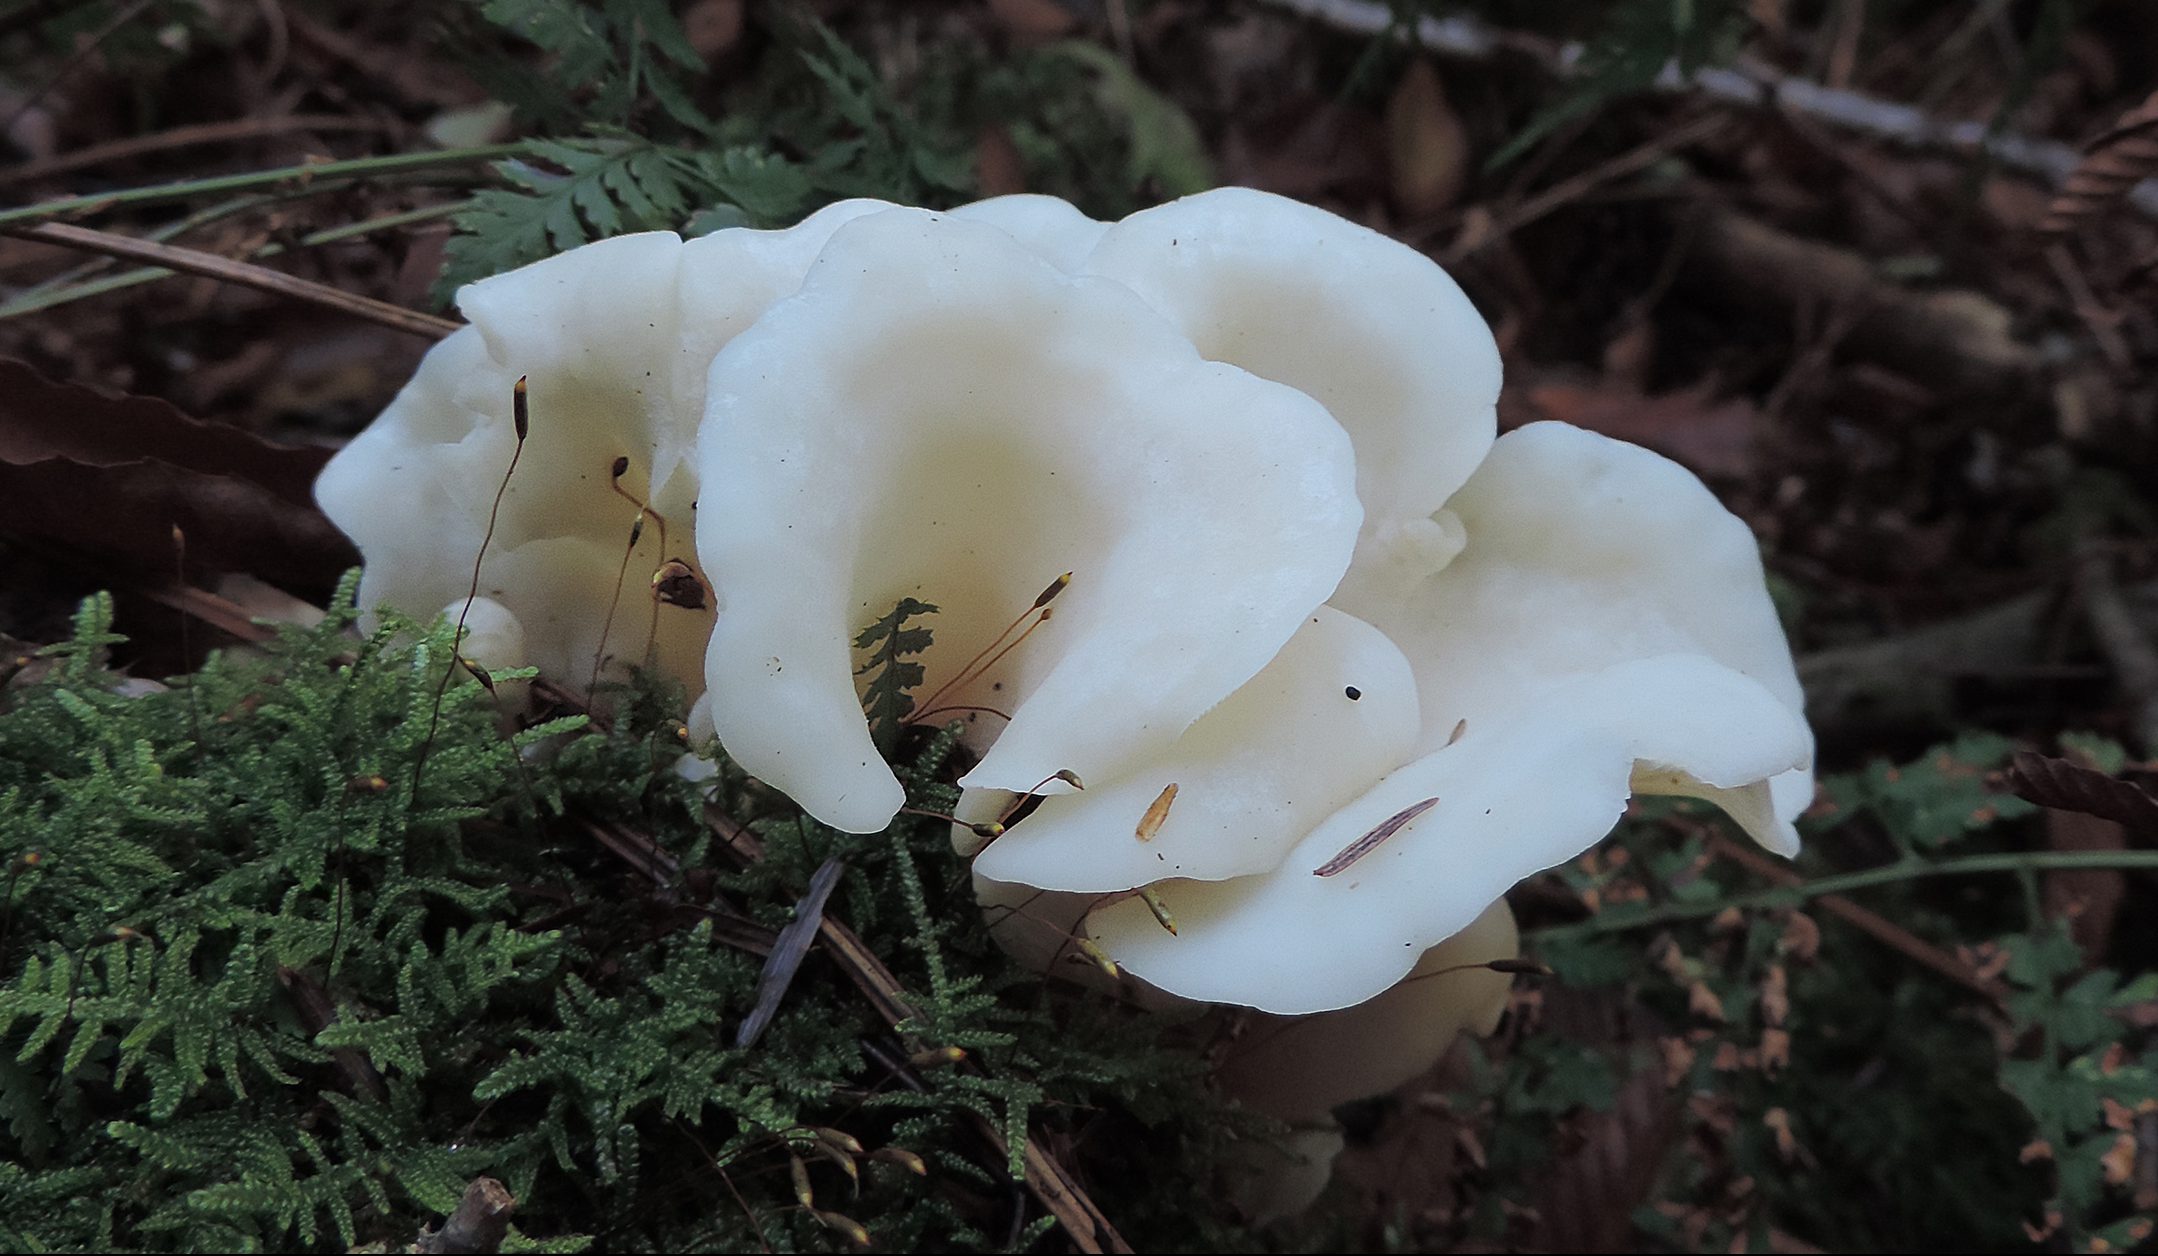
(246, 274)
(1911, 678)
(1959, 340)
(1749, 83)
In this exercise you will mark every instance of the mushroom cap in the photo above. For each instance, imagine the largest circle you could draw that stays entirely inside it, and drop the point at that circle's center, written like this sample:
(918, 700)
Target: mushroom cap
(613, 339)
(940, 414)
(1329, 714)
(1377, 332)
(1605, 628)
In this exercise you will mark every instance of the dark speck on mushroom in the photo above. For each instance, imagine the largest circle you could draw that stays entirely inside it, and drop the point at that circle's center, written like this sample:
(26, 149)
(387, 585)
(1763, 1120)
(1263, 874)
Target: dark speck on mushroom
(1353, 692)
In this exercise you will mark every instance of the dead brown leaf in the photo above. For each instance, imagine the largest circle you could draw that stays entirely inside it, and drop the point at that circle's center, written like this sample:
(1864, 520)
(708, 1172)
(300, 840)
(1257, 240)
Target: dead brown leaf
(1775, 996)
(1588, 1196)
(114, 475)
(2089, 899)
(1801, 938)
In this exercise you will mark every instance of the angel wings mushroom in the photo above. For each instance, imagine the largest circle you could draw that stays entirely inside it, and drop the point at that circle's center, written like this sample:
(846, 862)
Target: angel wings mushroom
(1382, 662)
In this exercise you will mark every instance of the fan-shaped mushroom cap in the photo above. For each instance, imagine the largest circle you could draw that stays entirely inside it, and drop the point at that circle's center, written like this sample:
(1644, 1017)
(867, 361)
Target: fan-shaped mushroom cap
(1605, 627)
(1335, 710)
(1374, 330)
(614, 339)
(940, 414)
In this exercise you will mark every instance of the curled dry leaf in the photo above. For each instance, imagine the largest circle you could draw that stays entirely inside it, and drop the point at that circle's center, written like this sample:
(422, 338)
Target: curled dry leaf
(2116, 161)
(2067, 786)
(114, 475)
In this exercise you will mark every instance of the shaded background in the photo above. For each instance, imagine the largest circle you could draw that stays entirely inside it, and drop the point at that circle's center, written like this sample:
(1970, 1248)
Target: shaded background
(1818, 252)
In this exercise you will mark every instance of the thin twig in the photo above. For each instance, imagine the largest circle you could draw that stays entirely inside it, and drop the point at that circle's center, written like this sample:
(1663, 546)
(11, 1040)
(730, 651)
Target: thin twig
(168, 232)
(1866, 921)
(1821, 887)
(201, 133)
(246, 274)
(47, 295)
(311, 175)
(1749, 83)
(1090, 1229)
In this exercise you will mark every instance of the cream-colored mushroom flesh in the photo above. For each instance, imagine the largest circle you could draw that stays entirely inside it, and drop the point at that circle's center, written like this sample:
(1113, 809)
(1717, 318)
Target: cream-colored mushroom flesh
(1583, 552)
(1605, 627)
(614, 340)
(1301, 1068)
(1046, 224)
(941, 414)
(1335, 710)
(1372, 328)
(1414, 860)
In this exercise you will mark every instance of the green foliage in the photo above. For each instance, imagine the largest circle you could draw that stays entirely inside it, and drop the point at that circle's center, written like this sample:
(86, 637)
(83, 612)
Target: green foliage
(2084, 1085)
(614, 57)
(571, 192)
(1937, 800)
(1850, 1097)
(1167, 154)
(260, 991)
(892, 677)
(652, 142)
(1633, 44)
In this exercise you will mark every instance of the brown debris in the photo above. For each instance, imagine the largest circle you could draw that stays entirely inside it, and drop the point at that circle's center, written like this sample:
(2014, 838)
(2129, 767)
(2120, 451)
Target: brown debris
(2113, 163)
(113, 476)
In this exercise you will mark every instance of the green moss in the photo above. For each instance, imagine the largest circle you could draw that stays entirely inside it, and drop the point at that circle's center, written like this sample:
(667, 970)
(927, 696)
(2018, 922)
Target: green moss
(263, 992)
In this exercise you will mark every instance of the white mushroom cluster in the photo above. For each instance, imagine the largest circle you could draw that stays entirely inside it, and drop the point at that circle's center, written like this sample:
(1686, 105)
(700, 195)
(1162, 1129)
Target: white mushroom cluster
(1334, 667)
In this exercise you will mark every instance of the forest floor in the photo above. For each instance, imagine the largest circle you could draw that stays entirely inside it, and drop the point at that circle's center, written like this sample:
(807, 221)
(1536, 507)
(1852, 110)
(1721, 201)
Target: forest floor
(1922, 378)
